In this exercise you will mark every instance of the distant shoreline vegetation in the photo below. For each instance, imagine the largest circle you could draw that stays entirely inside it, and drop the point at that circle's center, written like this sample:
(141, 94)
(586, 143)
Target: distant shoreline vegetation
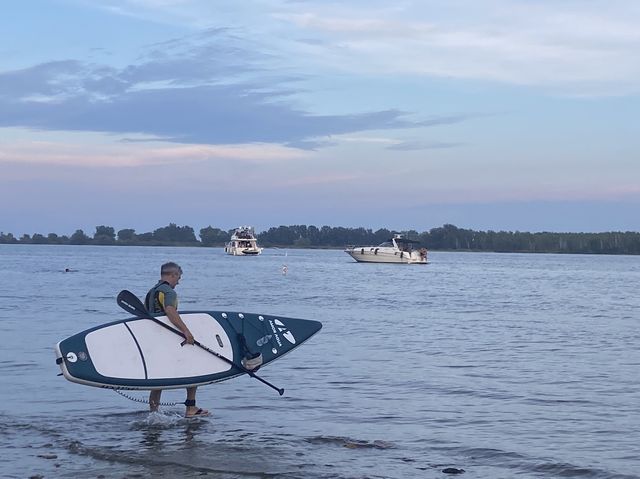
(447, 237)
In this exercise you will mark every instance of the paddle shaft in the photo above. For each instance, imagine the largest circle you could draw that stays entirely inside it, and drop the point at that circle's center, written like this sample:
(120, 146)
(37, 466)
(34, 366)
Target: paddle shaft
(130, 303)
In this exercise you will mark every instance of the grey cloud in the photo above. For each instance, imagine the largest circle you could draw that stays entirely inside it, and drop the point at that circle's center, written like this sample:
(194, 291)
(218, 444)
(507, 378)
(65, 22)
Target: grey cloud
(205, 93)
(315, 144)
(44, 79)
(445, 120)
(105, 85)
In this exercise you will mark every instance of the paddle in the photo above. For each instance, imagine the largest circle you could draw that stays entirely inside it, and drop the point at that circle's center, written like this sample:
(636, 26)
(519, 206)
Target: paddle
(130, 303)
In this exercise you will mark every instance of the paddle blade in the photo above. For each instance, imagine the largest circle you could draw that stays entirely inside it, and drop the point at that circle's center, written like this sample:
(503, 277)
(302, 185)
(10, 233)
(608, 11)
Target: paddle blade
(130, 303)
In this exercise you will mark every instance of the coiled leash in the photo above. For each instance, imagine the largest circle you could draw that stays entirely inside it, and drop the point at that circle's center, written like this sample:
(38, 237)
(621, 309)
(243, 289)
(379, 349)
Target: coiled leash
(146, 401)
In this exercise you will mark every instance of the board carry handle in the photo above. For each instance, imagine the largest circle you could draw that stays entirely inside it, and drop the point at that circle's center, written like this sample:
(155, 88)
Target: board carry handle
(130, 303)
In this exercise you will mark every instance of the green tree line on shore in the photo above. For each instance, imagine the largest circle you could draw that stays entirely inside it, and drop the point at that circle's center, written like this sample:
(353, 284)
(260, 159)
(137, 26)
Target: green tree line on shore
(447, 237)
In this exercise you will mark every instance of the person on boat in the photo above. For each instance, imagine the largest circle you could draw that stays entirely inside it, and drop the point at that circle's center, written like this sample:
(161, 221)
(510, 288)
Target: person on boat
(162, 298)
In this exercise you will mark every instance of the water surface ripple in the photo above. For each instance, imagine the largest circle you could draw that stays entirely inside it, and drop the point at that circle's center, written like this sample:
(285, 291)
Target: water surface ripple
(503, 365)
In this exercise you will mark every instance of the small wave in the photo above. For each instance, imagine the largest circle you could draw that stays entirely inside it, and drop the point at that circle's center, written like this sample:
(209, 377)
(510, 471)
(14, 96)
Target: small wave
(10, 365)
(557, 401)
(528, 464)
(570, 470)
(142, 420)
(350, 443)
(489, 394)
(161, 420)
(488, 453)
(168, 465)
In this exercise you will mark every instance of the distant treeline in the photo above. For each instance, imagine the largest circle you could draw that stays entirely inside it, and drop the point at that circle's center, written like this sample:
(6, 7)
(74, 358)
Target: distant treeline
(446, 237)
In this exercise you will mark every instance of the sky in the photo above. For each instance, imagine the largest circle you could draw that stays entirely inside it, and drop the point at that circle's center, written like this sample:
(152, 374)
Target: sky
(516, 115)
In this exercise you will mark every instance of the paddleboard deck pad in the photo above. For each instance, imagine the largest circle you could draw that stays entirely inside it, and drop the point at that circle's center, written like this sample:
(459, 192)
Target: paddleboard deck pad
(137, 353)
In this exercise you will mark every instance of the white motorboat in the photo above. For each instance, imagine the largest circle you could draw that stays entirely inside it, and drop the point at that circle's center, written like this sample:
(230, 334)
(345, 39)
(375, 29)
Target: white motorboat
(243, 243)
(396, 250)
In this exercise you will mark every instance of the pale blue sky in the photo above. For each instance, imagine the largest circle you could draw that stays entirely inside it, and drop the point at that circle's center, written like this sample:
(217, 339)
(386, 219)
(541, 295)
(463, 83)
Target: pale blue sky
(496, 114)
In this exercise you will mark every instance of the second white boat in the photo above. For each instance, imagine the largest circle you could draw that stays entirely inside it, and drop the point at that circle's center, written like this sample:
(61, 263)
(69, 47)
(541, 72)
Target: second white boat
(243, 243)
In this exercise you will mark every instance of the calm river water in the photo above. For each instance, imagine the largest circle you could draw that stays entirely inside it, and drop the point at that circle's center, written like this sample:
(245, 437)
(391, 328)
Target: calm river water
(501, 365)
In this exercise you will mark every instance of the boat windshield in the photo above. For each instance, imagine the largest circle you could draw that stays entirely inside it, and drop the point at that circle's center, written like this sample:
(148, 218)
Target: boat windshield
(405, 244)
(386, 244)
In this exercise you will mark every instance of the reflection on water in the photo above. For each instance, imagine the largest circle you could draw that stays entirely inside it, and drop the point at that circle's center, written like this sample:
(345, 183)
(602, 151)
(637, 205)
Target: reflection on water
(155, 426)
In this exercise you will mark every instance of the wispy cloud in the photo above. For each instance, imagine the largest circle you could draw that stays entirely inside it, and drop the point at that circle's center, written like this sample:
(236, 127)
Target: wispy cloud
(126, 154)
(572, 46)
(423, 145)
(552, 44)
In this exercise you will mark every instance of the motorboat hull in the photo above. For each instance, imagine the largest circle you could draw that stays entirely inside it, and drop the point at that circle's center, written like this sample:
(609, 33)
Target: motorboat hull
(380, 255)
(234, 251)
